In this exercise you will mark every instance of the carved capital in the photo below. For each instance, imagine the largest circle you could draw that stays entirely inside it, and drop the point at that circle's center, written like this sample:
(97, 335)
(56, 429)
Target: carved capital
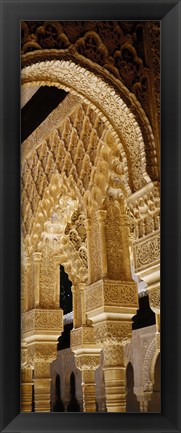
(154, 299)
(37, 257)
(41, 352)
(82, 338)
(113, 331)
(87, 361)
(101, 216)
(113, 355)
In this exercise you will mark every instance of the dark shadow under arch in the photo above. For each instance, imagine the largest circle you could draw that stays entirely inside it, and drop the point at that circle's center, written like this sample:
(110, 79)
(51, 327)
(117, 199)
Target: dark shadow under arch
(132, 404)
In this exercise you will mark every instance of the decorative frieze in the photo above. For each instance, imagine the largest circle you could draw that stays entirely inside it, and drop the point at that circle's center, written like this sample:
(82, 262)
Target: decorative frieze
(108, 293)
(42, 320)
(147, 251)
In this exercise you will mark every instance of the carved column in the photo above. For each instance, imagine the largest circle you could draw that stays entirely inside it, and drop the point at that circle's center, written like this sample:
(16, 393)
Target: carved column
(88, 363)
(57, 260)
(36, 278)
(87, 357)
(40, 332)
(154, 301)
(115, 381)
(42, 383)
(113, 334)
(26, 389)
(77, 310)
(147, 266)
(102, 222)
(89, 235)
(26, 283)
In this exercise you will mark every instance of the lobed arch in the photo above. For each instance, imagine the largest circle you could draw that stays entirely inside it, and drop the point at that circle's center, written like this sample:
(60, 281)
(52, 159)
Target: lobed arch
(117, 114)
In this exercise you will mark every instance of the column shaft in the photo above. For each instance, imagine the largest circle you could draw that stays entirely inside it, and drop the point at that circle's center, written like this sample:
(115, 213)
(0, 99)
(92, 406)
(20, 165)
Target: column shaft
(89, 390)
(115, 389)
(42, 386)
(36, 277)
(26, 390)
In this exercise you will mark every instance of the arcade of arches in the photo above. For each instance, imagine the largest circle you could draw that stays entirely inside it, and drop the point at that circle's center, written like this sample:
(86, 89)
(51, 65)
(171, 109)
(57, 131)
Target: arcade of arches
(90, 269)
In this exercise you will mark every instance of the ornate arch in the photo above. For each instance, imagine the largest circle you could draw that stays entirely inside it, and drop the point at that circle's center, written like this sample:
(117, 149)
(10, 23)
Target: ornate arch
(105, 100)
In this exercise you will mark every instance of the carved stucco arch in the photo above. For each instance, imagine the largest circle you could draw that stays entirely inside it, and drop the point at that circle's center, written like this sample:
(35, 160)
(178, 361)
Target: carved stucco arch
(106, 100)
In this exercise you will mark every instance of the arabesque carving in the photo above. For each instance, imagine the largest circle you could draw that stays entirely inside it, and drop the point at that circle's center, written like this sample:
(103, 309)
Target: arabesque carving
(87, 362)
(154, 299)
(105, 293)
(37, 320)
(147, 251)
(41, 352)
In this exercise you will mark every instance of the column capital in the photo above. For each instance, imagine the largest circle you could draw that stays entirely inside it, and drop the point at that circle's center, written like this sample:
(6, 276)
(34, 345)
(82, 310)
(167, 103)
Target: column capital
(101, 213)
(37, 256)
(83, 338)
(113, 333)
(87, 361)
(154, 298)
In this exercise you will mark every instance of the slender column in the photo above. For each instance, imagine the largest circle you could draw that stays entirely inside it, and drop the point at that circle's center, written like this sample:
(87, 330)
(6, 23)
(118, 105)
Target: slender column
(42, 383)
(87, 358)
(74, 306)
(26, 389)
(36, 277)
(82, 291)
(102, 221)
(154, 301)
(113, 334)
(26, 283)
(115, 379)
(89, 390)
(144, 400)
(88, 363)
(89, 234)
(57, 282)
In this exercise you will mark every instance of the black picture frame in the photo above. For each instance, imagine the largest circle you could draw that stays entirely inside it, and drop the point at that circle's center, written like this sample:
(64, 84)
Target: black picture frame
(169, 13)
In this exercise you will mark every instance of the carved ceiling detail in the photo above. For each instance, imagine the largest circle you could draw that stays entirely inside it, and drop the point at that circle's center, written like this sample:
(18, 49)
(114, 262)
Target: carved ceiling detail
(120, 47)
